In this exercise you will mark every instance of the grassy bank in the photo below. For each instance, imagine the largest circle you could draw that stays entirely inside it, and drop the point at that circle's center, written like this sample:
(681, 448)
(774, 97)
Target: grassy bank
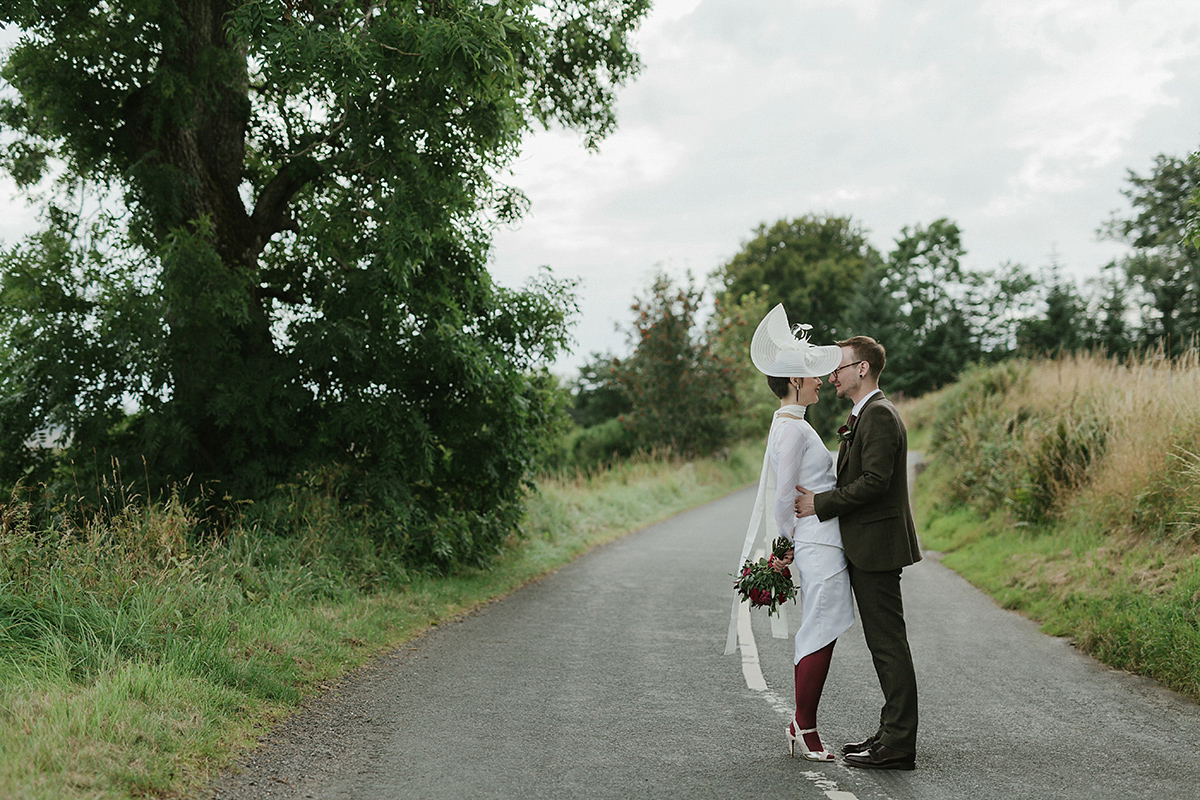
(1070, 491)
(134, 661)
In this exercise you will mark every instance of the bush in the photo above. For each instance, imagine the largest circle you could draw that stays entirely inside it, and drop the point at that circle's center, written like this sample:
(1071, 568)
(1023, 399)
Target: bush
(1010, 455)
(600, 444)
(1084, 436)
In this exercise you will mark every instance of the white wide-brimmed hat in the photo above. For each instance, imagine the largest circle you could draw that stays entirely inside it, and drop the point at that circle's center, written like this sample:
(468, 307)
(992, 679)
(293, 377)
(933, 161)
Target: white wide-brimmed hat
(775, 350)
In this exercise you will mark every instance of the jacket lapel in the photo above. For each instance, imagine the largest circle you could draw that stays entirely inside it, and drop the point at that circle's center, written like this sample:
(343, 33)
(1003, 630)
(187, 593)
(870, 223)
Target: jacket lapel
(844, 447)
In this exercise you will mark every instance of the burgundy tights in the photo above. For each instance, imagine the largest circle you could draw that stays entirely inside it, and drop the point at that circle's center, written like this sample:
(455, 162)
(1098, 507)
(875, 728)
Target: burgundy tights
(810, 680)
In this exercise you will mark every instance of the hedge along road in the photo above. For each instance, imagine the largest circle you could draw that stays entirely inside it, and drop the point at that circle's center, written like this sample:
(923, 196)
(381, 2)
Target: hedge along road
(607, 680)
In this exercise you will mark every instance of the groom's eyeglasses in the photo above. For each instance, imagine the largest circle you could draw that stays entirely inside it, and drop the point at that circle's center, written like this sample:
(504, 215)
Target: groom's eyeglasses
(843, 366)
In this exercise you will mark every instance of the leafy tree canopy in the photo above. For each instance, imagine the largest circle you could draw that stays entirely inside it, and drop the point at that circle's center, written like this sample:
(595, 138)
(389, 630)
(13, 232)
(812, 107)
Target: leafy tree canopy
(1165, 263)
(730, 330)
(266, 240)
(934, 316)
(680, 389)
(597, 393)
(1062, 329)
(810, 264)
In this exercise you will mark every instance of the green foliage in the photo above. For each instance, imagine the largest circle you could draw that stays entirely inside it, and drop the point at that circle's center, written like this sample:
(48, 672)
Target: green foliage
(1108, 327)
(1021, 461)
(598, 445)
(811, 264)
(286, 270)
(1165, 263)
(934, 339)
(1181, 512)
(1167, 508)
(1192, 228)
(1063, 327)
(597, 393)
(934, 316)
(874, 310)
(1043, 441)
(680, 390)
(937, 318)
(1132, 606)
(978, 390)
(1066, 451)
(973, 422)
(730, 329)
(1074, 499)
(924, 271)
(676, 392)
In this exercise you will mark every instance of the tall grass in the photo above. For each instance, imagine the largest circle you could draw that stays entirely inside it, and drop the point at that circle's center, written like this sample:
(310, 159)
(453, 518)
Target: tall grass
(137, 657)
(1070, 490)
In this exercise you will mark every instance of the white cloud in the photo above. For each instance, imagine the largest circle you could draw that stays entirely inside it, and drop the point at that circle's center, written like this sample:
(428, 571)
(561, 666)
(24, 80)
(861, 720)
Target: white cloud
(667, 11)
(849, 196)
(1093, 73)
(18, 218)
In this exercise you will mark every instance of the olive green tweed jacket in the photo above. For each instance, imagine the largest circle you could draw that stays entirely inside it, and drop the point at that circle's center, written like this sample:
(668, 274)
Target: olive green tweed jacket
(871, 498)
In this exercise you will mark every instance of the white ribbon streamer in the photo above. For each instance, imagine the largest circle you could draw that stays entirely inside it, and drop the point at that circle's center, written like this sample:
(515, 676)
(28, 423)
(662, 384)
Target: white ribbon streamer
(779, 626)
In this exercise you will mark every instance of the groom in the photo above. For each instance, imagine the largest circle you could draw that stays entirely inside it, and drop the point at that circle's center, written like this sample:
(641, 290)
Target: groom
(879, 537)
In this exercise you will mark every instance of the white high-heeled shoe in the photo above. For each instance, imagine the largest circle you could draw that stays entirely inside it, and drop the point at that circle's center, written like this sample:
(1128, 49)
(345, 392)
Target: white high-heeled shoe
(795, 737)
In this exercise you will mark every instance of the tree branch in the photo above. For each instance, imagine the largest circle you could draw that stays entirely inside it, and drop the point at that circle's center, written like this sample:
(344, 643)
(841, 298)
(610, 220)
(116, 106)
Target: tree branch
(271, 210)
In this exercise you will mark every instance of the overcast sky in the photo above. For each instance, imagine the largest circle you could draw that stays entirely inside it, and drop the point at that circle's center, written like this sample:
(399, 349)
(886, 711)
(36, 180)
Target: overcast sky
(1018, 119)
(1015, 118)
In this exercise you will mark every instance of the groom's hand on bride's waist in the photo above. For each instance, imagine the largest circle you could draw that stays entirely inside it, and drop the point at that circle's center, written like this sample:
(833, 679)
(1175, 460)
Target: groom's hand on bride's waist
(805, 505)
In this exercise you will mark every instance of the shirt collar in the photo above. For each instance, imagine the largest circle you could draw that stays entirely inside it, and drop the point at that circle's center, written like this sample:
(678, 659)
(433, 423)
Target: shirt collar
(859, 405)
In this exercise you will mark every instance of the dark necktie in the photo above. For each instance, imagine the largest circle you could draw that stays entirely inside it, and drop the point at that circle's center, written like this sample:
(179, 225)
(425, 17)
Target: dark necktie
(850, 422)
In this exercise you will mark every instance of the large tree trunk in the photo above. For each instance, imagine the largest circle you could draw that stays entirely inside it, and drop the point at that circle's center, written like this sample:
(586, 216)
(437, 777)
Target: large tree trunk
(219, 349)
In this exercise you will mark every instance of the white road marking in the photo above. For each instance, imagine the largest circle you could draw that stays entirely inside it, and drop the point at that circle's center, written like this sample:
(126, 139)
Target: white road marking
(827, 786)
(751, 669)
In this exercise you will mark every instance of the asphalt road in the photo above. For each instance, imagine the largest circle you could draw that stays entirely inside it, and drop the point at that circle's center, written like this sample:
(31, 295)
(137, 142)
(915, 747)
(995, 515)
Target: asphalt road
(607, 680)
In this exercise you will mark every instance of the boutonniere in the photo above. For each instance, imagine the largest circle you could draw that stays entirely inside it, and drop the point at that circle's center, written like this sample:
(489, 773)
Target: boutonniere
(845, 434)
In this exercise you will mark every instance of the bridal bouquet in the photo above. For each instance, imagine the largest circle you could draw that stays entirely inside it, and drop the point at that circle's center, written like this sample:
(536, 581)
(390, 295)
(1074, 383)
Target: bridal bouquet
(762, 585)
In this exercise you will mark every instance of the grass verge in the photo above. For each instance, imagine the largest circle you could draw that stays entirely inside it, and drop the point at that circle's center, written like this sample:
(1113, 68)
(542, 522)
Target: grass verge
(126, 676)
(1069, 490)
(1132, 605)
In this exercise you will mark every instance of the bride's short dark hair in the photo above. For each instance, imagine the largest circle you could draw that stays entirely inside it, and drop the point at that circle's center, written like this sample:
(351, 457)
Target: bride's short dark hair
(779, 385)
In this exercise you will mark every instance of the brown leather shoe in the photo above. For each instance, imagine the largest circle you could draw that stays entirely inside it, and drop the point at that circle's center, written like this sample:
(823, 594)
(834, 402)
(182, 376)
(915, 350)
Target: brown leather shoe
(860, 747)
(880, 756)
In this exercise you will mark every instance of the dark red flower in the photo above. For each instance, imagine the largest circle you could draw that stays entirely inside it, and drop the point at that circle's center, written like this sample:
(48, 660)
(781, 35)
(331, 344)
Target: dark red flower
(760, 597)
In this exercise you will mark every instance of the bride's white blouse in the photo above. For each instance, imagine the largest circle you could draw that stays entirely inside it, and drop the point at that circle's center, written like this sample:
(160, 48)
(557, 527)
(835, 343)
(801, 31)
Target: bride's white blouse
(800, 458)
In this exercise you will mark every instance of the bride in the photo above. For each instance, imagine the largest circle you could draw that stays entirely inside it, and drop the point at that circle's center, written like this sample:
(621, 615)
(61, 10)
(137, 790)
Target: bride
(797, 457)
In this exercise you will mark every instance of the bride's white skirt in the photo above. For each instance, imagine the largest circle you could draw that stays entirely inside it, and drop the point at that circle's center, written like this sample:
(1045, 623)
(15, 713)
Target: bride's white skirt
(826, 602)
